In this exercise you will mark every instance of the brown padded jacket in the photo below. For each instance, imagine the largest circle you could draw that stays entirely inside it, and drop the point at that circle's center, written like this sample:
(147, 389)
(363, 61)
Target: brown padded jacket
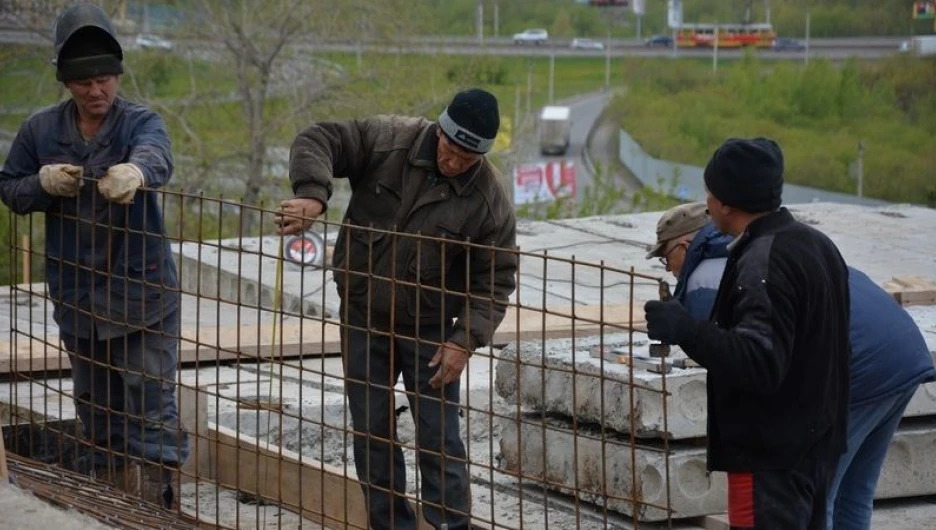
(390, 163)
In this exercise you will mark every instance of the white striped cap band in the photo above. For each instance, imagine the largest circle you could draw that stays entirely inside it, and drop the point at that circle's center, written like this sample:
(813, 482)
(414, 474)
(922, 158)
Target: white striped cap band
(462, 136)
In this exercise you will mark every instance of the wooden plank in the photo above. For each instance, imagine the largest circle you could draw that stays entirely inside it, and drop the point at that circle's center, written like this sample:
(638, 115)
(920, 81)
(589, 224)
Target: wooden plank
(912, 290)
(328, 495)
(533, 323)
(202, 344)
(311, 337)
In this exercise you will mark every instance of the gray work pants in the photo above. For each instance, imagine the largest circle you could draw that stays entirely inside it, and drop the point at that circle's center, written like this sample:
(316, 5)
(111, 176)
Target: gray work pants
(373, 363)
(124, 390)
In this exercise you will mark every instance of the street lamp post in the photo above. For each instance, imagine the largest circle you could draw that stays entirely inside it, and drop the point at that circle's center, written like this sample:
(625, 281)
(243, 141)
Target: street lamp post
(806, 51)
(607, 83)
(552, 71)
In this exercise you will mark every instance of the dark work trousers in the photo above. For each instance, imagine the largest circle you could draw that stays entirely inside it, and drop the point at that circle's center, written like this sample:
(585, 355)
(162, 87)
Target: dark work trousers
(373, 364)
(793, 499)
(124, 390)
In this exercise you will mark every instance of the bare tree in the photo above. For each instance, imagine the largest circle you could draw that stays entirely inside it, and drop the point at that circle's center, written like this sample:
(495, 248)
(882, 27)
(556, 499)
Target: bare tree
(254, 38)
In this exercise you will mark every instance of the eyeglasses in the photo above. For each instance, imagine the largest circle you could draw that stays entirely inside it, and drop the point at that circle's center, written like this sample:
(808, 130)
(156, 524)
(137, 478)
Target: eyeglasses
(664, 259)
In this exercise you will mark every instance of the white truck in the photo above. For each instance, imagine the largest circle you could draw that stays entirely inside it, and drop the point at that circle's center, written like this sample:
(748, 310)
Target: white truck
(555, 126)
(919, 46)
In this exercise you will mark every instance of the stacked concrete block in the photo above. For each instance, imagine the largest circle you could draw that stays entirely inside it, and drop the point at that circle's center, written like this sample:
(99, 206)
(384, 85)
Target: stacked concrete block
(243, 271)
(910, 466)
(578, 413)
(577, 440)
(607, 470)
(562, 377)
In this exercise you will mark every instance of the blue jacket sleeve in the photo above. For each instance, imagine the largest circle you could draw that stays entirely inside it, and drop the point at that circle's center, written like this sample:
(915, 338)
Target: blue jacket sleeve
(699, 302)
(756, 351)
(19, 179)
(150, 150)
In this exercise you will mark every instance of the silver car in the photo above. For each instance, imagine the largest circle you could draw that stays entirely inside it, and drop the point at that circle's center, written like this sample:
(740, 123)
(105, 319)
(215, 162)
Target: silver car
(587, 44)
(152, 42)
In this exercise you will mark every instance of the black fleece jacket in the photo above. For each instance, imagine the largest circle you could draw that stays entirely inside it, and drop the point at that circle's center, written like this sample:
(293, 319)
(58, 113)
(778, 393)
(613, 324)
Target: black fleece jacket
(776, 349)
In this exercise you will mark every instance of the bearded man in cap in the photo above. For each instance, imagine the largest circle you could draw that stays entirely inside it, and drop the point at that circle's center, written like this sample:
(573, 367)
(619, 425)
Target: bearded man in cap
(111, 279)
(776, 346)
(411, 305)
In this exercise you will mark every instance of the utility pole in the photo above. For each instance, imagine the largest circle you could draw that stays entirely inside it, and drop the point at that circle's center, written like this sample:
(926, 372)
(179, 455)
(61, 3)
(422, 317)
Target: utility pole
(860, 168)
(515, 129)
(607, 84)
(496, 19)
(806, 51)
(480, 21)
(552, 72)
(715, 50)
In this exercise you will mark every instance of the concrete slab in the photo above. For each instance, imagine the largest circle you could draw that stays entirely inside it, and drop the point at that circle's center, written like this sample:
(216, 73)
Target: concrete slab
(910, 466)
(561, 377)
(605, 469)
(904, 514)
(243, 271)
(24, 511)
(232, 510)
(599, 465)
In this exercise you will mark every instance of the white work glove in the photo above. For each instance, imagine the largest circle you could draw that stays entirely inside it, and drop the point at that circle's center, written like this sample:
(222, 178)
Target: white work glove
(61, 180)
(120, 183)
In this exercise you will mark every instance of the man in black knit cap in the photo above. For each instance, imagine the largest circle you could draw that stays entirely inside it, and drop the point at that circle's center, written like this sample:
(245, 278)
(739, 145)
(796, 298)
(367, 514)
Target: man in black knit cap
(416, 302)
(776, 346)
(84, 163)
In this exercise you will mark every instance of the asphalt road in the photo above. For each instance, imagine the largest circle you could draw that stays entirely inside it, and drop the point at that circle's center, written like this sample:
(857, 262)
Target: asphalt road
(585, 111)
(836, 49)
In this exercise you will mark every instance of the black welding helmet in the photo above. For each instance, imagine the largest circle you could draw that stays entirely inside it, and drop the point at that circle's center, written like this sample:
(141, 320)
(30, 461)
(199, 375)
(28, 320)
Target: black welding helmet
(86, 44)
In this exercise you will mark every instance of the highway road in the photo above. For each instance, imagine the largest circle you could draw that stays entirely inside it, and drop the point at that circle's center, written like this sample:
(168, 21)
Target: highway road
(836, 49)
(585, 111)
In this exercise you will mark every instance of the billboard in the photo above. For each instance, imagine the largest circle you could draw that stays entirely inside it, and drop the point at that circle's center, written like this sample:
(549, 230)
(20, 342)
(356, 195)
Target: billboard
(639, 7)
(674, 13)
(541, 182)
(924, 10)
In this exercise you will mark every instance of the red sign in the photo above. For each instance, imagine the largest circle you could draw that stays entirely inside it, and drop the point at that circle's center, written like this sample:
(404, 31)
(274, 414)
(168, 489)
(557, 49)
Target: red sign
(544, 182)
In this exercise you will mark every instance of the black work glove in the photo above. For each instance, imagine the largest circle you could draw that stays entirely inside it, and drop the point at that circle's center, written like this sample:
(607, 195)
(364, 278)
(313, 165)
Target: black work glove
(669, 322)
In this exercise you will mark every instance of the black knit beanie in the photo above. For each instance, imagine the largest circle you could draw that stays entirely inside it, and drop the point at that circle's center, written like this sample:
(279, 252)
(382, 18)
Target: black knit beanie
(747, 174)
(471, 120)
(86, 44)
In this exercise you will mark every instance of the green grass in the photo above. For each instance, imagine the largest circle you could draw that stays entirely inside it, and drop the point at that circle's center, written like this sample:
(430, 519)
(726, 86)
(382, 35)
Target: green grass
(819, 114)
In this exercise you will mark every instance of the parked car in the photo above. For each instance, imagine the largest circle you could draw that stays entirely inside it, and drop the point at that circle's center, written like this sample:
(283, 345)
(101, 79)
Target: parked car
(532, 36)
(153, 42)
(664, 41)
(788, 45)
(587, 44)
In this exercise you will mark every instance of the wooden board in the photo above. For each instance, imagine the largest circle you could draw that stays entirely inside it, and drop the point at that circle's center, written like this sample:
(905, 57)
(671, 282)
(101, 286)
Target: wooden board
(319, 492)
(202, 344)
(325, 494)
(912, 290)
(311, 337)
